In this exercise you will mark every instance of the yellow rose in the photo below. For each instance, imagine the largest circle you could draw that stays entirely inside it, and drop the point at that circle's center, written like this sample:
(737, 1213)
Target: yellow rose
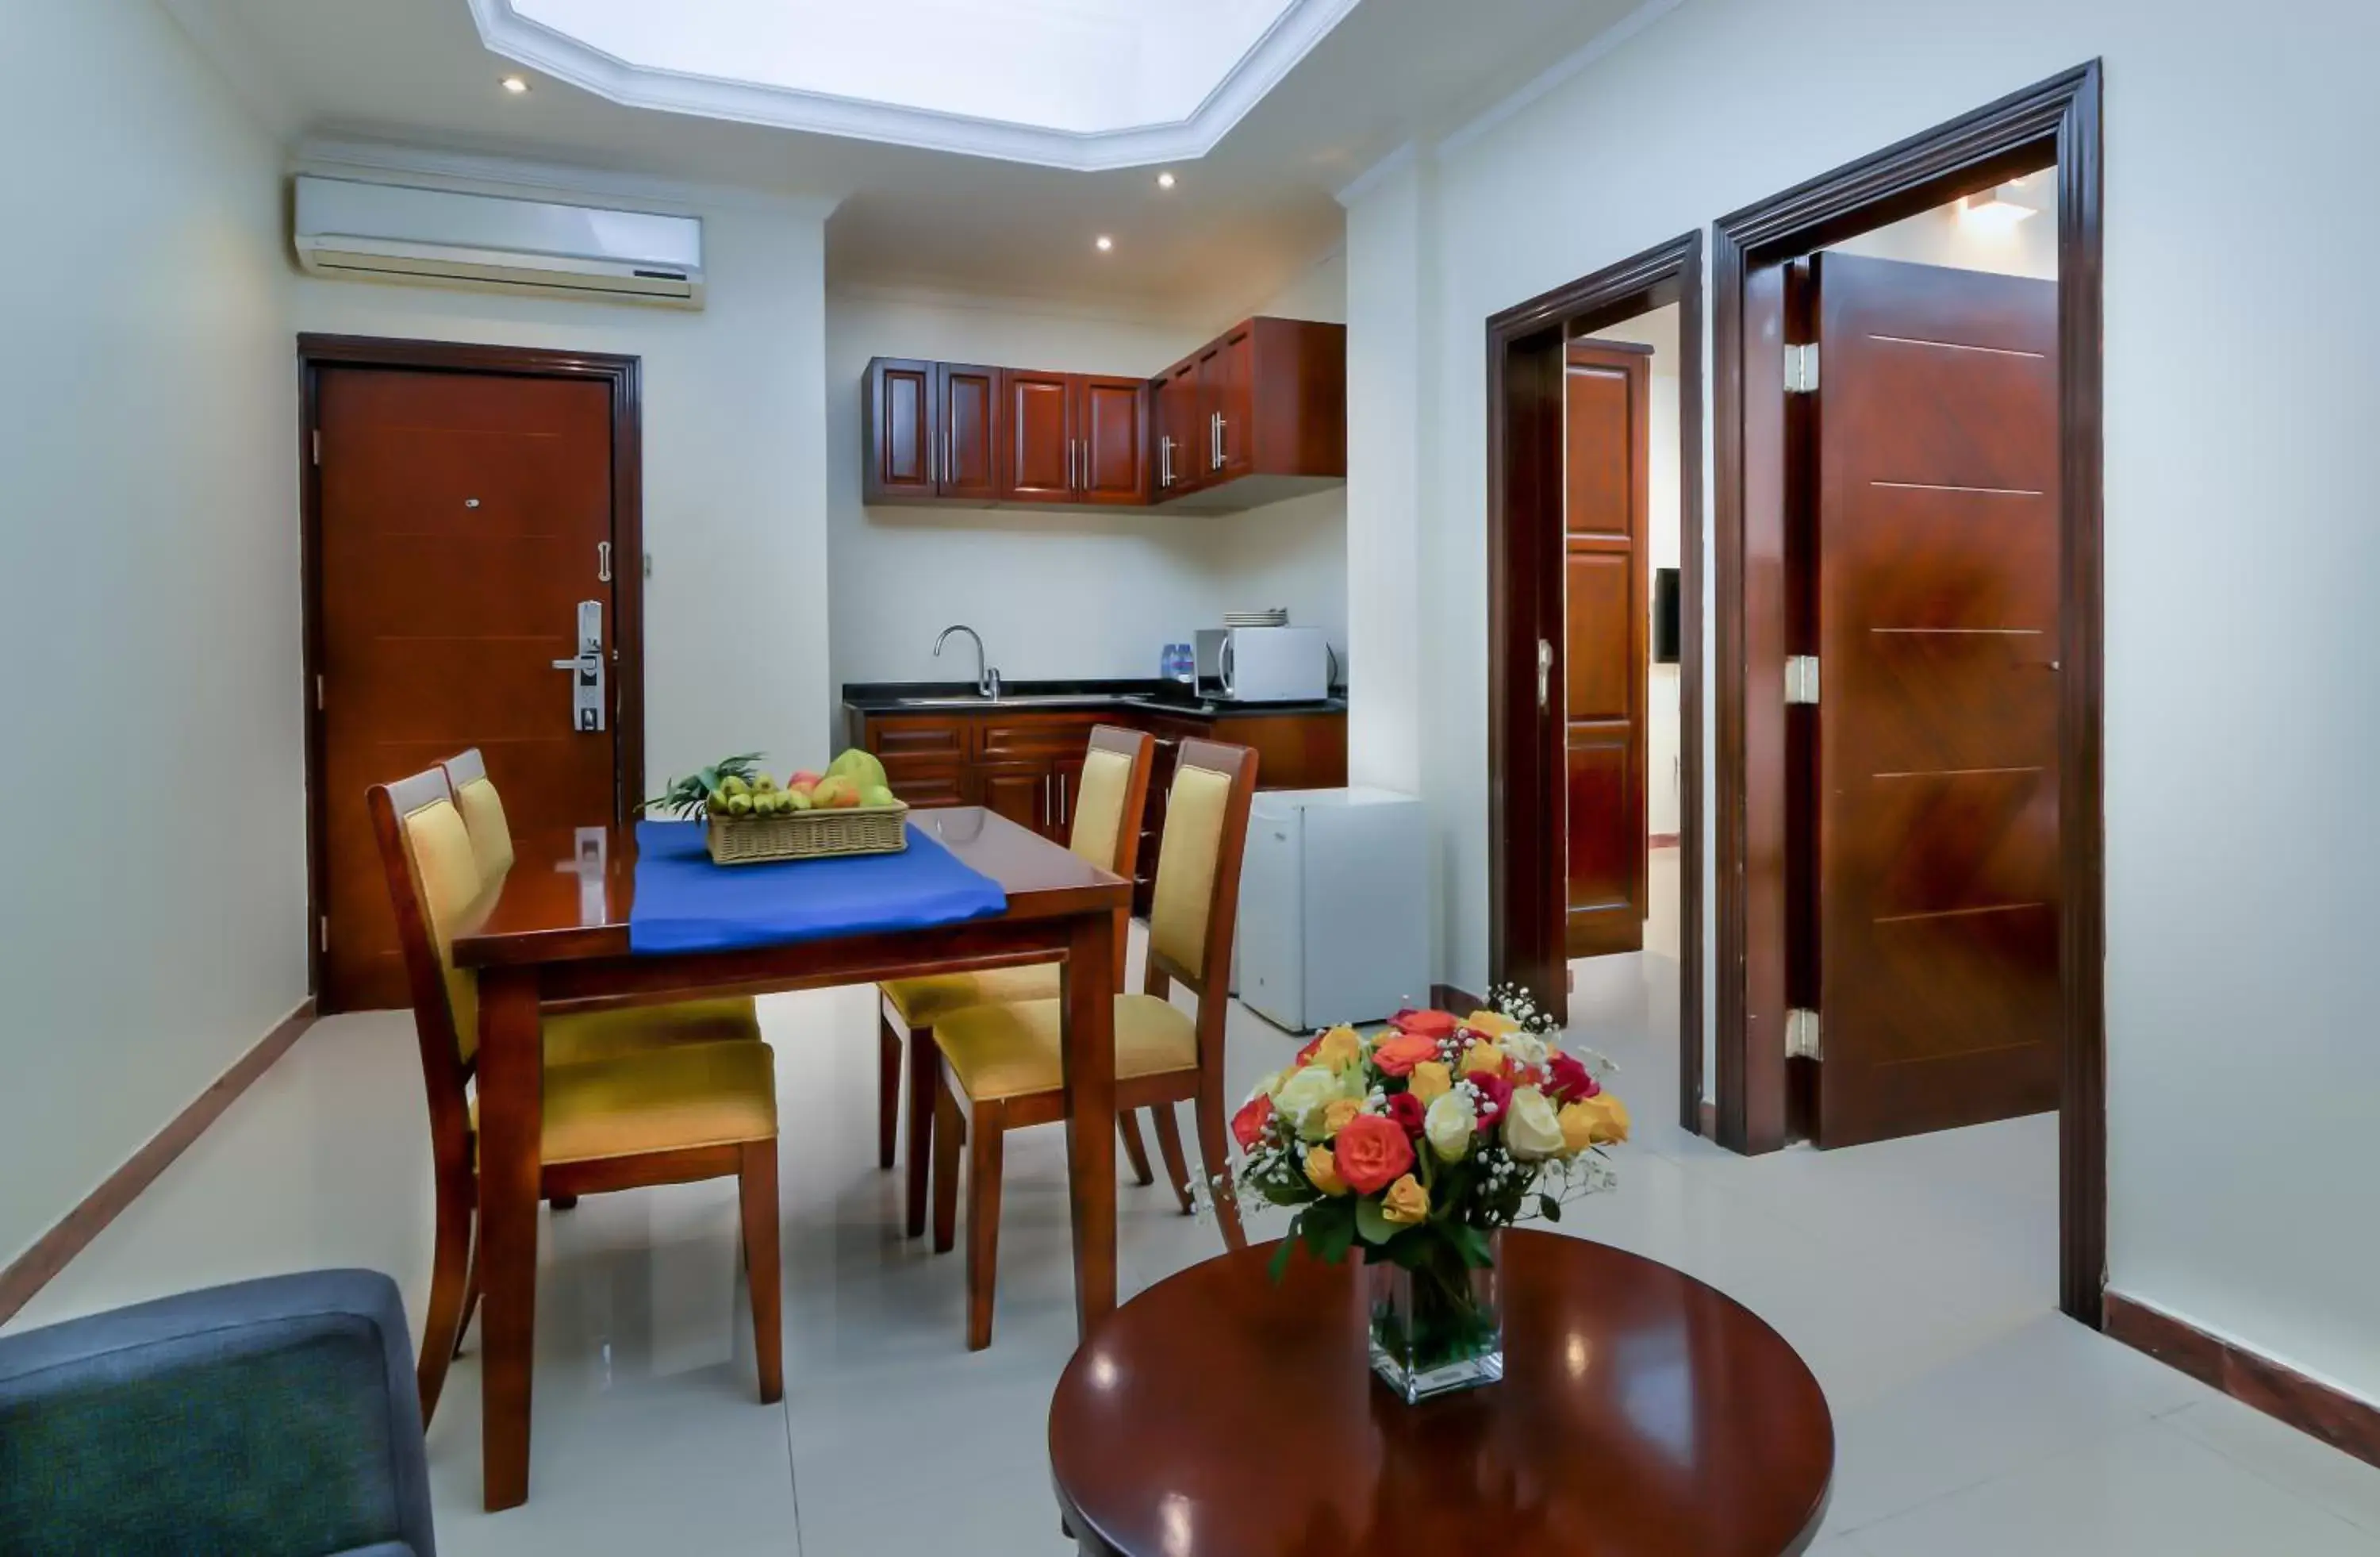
(1323, 1169)
(1429, 1081)
(1577, 1128)
(1337, 1048)
(1491, 1024)
(1405, 1202)
(1483, 1057)
(1336, 1114)
(1603, 1117)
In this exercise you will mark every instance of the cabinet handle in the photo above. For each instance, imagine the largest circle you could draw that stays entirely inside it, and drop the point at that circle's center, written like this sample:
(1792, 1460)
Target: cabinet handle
(1070, 483)
(1164, 461)
(949, 467)
(1215, 441)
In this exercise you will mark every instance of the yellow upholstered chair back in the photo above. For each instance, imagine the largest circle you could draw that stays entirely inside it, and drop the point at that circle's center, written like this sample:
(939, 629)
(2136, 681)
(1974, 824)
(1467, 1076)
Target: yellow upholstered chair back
(483, 814)
(438, 845)
(1193, 913)
(1100, 799)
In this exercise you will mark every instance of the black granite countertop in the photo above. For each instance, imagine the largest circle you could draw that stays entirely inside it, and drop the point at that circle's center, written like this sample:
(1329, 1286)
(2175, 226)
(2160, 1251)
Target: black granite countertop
(1150, 695)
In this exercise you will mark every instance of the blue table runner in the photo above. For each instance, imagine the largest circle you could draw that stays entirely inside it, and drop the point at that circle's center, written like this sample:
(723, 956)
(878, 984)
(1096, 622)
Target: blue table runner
(684, 903)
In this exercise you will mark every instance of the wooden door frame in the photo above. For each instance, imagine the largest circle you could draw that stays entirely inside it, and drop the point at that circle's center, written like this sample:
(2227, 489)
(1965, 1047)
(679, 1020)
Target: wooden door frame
(623, 377)
(1524, 604)
(2056, 122)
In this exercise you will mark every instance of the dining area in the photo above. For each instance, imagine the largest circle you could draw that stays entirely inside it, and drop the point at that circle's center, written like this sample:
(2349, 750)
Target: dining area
(583, 1002)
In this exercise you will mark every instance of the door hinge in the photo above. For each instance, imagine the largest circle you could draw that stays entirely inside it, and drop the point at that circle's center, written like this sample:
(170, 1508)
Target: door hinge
(1801, 679)
(1802, 369)
(322, 934)
(318, 446)
(1801, 1035)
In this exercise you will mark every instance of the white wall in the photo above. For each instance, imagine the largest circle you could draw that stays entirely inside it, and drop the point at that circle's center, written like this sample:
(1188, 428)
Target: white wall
(1942, 236)
(1093, 593)
(734, 460)
(2242, 1075)
(153, 866)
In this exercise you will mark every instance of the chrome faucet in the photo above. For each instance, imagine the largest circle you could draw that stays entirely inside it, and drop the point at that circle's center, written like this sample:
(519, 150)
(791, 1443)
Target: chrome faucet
(987, 679)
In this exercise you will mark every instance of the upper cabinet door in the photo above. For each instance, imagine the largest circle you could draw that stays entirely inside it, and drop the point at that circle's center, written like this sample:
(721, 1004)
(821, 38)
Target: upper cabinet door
(1039, 453)
(1112, 433)
(967, 410)
(901, 431)
(1178, 455)
(1228, 376)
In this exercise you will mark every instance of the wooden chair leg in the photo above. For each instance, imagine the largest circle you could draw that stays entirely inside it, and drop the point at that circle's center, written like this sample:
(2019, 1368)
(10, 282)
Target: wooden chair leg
(449, 1275)
(1169, 1146)
(983, 1227)
(1215, 1158)
(950, 1130)
(756, 1184)
(470, 1295)
(925, 1086)
(888, 1089)
(1135, 1152)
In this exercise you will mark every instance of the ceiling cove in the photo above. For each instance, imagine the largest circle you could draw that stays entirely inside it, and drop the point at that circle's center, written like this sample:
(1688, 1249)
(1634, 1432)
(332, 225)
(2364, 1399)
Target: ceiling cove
(1085, 84)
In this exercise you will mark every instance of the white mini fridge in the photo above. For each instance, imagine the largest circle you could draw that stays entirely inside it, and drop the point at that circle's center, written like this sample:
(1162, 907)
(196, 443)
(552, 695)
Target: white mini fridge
(1334, 905)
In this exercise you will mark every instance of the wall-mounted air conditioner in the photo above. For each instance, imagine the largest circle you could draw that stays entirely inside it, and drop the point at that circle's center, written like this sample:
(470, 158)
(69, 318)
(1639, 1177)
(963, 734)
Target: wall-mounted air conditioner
(389, 232)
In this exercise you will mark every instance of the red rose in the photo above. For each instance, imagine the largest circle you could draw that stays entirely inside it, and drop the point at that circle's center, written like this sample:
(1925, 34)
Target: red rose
(1371, 1151)
(1426, 1024)
(1250, 1124)
(1568, 1079)
(1398, 1055)
(1495, 1096)
(1409, 1112)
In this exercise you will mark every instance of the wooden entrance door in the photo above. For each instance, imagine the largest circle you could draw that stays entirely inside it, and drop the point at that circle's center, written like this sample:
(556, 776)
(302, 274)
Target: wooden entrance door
(1607, 436)
(462, 518)
(1937, 760)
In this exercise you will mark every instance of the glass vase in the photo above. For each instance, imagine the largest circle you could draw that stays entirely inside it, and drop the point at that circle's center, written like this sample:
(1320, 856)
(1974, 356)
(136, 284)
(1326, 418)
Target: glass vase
(1437, 1327)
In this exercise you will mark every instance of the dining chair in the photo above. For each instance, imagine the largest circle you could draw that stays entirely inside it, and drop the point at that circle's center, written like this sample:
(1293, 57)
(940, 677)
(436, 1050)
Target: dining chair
(661, 1113)
(601, 1030)
(1111, 800)
(1004, 1065)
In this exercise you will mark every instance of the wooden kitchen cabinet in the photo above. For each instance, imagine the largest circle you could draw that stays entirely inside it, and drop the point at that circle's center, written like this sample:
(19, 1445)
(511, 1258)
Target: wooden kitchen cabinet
(967, 422)
(1028, 767)
(901, 431)
(1257, 415)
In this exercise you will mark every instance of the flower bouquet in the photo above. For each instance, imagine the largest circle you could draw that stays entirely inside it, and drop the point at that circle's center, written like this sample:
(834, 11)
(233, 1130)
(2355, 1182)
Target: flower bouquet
(1420, 1144)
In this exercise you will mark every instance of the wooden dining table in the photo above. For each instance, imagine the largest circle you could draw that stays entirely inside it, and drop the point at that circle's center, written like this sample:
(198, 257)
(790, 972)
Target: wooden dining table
(558, 933)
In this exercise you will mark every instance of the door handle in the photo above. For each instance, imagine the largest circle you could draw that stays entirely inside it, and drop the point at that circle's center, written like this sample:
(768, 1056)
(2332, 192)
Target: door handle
(1544, 673)
(602, 562)
(586, 669)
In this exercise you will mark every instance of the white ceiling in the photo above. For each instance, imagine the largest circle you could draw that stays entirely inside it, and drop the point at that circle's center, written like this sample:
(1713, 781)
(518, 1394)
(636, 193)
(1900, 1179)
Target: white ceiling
(1243, 221)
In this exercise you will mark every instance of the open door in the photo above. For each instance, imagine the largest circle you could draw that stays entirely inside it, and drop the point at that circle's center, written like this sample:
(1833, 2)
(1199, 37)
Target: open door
(1607, 386)
(1933, 567)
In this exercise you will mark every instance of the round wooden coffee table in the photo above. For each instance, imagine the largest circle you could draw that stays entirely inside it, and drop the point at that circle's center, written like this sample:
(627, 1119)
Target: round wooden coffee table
(1641, 1411)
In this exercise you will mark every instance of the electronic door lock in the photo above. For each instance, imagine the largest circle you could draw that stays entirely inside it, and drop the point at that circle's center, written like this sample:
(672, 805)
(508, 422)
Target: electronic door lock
(586, 669)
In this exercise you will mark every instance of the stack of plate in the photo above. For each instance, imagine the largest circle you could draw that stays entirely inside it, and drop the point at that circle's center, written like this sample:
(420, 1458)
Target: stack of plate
(1277, 617)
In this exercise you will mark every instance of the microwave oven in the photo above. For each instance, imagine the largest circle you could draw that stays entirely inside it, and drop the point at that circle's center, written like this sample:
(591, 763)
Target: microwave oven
(1264, 664)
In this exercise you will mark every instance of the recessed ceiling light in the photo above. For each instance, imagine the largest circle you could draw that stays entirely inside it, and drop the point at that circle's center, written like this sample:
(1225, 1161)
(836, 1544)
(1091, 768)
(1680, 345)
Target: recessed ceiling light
(1165, 180)
(1104, 242)
(516, 85)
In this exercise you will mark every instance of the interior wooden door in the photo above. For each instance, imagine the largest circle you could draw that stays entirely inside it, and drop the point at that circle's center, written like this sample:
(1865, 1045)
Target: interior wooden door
(1937, 569)
(966, 417)
(1039, 453)
(461, 521)
(1605, 446)
(1111, 426)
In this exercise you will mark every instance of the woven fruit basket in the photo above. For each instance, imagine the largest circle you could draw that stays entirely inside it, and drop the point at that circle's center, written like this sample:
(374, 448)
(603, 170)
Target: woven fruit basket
(753, 840)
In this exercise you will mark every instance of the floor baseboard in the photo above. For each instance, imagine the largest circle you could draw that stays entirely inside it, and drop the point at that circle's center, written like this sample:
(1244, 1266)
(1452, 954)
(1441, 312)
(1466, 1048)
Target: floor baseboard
(37, 1266)
(2337, 1418)
(1449, 997)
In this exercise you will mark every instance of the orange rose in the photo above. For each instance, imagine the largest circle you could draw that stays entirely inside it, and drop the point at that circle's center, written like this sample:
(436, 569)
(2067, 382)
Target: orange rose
(1425, 1024)
(1371, 1151)
(1399, 1054)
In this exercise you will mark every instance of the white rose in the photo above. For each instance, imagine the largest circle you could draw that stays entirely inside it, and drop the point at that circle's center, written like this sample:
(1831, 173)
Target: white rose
(1303, 1096)
(1526, 1047)
(1533, 1131)
(1450, 1125)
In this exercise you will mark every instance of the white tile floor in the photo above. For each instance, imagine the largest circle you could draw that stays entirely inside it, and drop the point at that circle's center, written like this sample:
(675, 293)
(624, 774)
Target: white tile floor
(1917, 1277)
